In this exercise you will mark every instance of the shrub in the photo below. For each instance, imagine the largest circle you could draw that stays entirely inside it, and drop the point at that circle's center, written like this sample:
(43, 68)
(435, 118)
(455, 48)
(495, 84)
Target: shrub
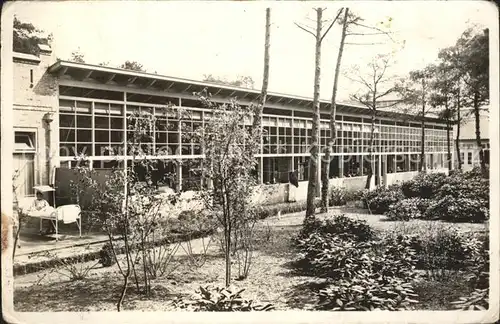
(330, 256)
(478, 276)
(423, 185)
(454, 209)
(222, 300)
(479, 300)
(106, 255)
(466, 185)
(405, 210)
(367, 294)
(379, 200)
(444, 250)
(422, 205)
(340, 225)
(75, 268)
(355, 195)
(365, 273)
(338, 196)
(396, 257)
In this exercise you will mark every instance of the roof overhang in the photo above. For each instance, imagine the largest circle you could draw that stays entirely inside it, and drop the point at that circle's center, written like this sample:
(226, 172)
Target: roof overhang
(137, 79)
(25, 57)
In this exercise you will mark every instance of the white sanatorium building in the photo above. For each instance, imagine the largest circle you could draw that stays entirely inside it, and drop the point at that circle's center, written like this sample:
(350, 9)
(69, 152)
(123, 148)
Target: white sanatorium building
(62, 109)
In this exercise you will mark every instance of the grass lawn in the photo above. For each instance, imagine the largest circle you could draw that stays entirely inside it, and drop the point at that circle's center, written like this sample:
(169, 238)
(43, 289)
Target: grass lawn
(272, 278)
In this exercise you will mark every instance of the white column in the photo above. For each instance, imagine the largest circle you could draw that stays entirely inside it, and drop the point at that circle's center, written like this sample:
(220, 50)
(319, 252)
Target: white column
(261, 170)
(379, 169)
(318, 193)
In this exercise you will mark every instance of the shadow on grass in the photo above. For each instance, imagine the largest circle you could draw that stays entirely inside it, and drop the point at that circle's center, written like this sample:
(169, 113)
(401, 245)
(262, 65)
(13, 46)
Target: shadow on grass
(438, 294)
(304, 295)
(276, 241)
(65, 295)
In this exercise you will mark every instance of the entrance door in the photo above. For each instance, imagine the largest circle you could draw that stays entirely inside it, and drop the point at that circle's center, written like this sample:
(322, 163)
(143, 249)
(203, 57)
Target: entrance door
(24, 169)
(24, 163)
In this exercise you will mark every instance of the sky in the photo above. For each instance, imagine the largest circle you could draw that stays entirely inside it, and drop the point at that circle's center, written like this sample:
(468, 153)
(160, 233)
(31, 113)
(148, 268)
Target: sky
(226, 39)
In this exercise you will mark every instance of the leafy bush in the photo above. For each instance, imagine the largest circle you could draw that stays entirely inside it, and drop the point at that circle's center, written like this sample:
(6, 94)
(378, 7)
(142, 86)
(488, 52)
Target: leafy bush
(439, 248)
(355, 195)
(405, 209)
(466, 185)
(423, 185)
(379, 200)
(338, 196)
(365, 273)
(207, 299)
(396, 257)
(422, 205)
(479, 300)
(478, 277)
(340, 225)
(444, 250)
(367, 294)
(106, 256)
(328, 255)
(454, 209)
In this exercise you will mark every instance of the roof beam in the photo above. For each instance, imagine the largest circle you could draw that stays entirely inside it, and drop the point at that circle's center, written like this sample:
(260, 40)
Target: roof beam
(150, 83)
(62, 71)
(189, 87)
(85, 75)
(131, 80)
(246, 94)
(170, 86)
(110, 78)
(217, 92)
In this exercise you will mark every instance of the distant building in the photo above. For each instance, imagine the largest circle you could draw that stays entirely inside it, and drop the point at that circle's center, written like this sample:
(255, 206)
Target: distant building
(469, 151)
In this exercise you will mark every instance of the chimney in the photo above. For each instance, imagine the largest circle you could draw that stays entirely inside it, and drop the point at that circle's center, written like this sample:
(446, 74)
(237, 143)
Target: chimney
(46, 54)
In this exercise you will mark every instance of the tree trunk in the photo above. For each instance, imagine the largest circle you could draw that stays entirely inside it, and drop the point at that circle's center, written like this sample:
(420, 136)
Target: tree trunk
(370, 150)
(312, 188)
(333, 128)
(122, 295)
(478, 133)
(457, 140)
(448, 141)
(228, 257)
(423, 167)
(265, 80)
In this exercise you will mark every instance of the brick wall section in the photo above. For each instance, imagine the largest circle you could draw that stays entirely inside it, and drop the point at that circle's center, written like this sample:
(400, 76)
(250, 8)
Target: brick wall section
(31, 103)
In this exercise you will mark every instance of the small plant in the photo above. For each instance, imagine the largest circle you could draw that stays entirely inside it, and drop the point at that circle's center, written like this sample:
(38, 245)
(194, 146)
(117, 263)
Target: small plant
(74, 269)
(477, 301)
(478, 278)
(106, 256)
(338, 196)
(207, 299)
(367, 294)
(159, 261)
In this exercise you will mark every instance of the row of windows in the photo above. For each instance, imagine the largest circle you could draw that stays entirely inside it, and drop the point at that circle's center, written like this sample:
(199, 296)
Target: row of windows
(94, 131)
